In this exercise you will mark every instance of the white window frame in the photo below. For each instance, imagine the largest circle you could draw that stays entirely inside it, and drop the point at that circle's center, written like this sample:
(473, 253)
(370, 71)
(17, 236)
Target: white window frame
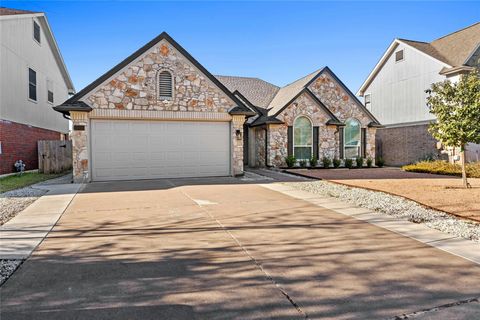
(39, 30)
(164, 98)
(368, 104)
(403, 55)
(28, 84)
(359, 147)
(50, 89)
(302, 146)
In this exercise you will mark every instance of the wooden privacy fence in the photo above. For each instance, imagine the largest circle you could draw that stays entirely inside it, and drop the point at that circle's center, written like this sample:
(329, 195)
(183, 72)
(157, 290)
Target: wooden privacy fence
(54, 156)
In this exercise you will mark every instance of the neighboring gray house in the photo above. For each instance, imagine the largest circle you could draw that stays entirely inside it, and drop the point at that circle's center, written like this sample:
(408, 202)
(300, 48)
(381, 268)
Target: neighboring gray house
(395, 91)
(159, 113)
(33, 78)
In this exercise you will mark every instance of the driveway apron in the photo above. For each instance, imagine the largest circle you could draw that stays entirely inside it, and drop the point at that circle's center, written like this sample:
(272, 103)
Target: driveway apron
(216, 249)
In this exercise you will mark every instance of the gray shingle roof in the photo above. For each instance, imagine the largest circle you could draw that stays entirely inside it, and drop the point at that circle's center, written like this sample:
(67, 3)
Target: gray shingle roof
(10, 11)
(453, 49)
(257, 91)
(288, 92)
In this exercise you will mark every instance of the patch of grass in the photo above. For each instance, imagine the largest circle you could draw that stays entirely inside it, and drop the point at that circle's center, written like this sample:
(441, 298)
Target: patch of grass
(15, 182)
(444, 167)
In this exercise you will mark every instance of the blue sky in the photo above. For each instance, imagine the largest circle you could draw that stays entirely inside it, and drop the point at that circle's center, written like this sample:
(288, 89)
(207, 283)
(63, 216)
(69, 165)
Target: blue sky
(276, 41)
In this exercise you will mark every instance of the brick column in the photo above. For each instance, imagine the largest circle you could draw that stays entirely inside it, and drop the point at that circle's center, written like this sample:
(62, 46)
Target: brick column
(80, 146)
(237, 154)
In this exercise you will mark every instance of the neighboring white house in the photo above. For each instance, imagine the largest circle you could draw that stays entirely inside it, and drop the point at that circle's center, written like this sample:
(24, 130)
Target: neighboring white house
(395, 91)
(33, 78)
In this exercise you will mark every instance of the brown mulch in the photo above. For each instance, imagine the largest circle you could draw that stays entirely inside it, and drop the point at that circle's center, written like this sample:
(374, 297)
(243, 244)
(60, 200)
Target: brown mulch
(444, 193)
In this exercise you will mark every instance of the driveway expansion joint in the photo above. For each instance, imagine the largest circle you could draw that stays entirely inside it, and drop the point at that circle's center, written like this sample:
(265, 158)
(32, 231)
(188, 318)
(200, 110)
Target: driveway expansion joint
(254, 260)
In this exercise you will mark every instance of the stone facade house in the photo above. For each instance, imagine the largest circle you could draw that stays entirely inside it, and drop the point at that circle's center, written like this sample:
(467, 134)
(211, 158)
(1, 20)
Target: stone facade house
(161, 114)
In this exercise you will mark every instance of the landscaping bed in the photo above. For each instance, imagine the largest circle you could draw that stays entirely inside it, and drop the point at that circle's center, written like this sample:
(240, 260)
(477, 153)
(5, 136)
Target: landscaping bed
(396, 206)
(445, 168)
(7, 268)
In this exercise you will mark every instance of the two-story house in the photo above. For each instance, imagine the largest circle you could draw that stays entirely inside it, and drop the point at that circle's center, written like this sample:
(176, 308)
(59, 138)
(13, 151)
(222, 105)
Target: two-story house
(394, 92)
(33, 78)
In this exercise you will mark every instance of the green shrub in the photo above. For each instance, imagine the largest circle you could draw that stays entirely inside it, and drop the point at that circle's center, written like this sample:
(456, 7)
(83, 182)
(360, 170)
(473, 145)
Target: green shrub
(326, 162)
(369, 162)
(290, 160)
(359, 162)
(349, 163)
(380, 162)
(303, 163)
(313, 161)
(336, 162)
(444, 167)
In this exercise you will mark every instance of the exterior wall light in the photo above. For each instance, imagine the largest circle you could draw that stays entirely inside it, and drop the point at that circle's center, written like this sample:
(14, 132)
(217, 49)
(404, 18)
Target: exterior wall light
(238, 134)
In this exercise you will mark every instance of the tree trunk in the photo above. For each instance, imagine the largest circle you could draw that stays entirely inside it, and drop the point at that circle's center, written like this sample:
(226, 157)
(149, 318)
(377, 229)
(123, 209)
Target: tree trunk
(464, 172)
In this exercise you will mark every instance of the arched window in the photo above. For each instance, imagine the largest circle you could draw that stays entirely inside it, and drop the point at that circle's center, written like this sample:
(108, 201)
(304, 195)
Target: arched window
(165, 85)
(302, 138)
(352, 138)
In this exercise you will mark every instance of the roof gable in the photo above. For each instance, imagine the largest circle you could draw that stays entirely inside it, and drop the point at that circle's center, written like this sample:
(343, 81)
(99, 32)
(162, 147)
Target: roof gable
(452, 50)
(240, 108)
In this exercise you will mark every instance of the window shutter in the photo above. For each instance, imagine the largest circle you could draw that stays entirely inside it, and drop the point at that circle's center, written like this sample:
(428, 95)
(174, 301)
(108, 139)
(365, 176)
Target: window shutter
(290, 141)
(340, 144)
(165, 90)
(315, 141)
(364, 142)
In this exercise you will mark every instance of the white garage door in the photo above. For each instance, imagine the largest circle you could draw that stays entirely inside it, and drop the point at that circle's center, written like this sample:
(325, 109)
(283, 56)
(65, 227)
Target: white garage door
(132, 149)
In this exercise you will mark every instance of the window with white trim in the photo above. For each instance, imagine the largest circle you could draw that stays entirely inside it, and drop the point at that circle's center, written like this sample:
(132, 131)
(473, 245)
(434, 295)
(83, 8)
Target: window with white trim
(36, 31)
(32, 84)
(367, 101)
(49, 91)
(352, 138)
(399, 55)
(165, 85)
(302, 138)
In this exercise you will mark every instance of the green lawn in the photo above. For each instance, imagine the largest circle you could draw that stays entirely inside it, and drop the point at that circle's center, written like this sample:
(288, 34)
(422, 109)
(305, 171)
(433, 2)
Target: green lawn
(28, 178)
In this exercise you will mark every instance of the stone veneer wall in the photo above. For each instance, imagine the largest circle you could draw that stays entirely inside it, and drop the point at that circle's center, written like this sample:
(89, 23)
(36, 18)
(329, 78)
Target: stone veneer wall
(341, 104)
(134, 90)
(80, 146)
(303, 105)
(136, 86)
(260, 147)
(237, 124)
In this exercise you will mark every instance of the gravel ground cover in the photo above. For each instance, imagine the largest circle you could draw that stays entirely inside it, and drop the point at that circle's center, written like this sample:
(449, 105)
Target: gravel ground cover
(395, 206)
(12, 202)
(7, 267)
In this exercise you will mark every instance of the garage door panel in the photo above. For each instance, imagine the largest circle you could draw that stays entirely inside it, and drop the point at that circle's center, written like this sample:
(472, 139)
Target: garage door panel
(123, 150)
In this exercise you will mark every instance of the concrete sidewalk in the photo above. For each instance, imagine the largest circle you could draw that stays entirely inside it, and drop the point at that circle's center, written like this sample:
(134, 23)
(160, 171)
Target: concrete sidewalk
(23, 233)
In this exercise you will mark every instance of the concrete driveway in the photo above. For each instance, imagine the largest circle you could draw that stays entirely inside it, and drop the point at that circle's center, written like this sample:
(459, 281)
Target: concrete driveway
(219, 249)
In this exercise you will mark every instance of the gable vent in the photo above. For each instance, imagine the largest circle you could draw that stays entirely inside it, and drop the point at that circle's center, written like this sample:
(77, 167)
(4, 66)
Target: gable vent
(165, 85)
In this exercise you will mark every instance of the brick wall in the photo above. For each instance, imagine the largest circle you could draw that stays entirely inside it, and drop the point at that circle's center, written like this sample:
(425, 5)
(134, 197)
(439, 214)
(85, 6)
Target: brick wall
(404, 145)
(19, 141)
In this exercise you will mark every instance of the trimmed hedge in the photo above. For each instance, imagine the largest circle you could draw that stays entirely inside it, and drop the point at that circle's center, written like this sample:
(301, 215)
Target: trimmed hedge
(444, 167)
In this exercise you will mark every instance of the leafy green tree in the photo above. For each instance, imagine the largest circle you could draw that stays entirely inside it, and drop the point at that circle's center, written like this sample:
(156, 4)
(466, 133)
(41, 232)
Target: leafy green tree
(457, 109)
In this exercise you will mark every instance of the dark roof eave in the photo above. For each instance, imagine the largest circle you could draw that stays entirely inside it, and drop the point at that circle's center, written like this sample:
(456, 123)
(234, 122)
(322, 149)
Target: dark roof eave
(375, 125)
(78, 106)
(241, 111)
(335, 123)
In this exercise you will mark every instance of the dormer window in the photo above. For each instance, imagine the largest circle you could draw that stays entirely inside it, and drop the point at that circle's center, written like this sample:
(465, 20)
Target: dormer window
(165, 85)
(36, 31)
(399, 55)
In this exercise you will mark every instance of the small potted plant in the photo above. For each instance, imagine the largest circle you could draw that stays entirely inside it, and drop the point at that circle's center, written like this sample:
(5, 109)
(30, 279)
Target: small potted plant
(326, 162)
(380, 162)
(369, 162)
(359, 162)
(349, 163)
(336, 162)
(290, 160)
